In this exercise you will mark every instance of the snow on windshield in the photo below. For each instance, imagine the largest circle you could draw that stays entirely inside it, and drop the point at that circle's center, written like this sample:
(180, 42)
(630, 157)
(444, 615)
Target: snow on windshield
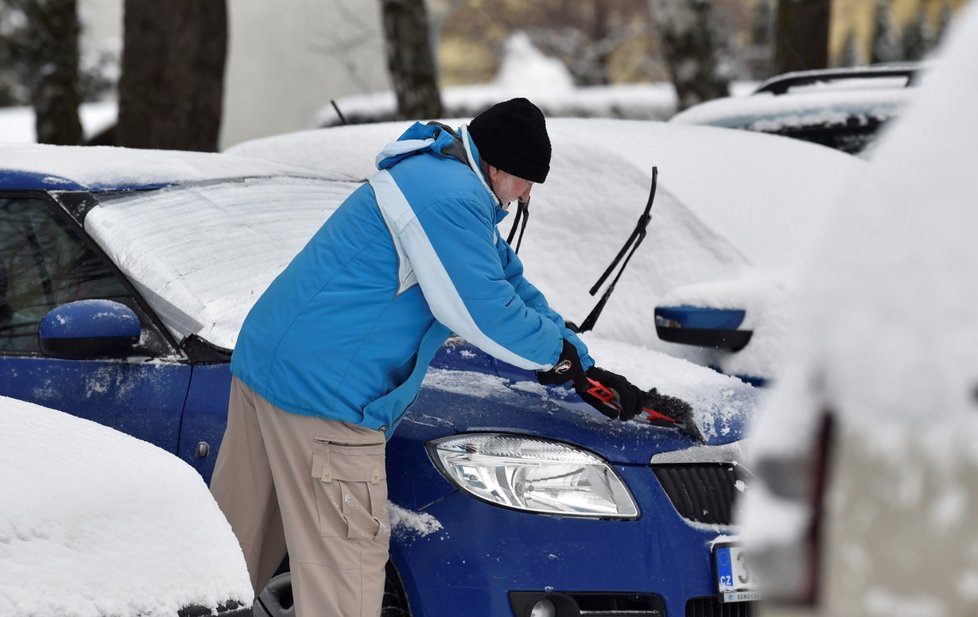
(203, 255)
(94, 522)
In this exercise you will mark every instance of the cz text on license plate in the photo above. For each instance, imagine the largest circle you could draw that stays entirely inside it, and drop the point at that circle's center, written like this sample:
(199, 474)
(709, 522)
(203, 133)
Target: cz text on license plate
(733, 575)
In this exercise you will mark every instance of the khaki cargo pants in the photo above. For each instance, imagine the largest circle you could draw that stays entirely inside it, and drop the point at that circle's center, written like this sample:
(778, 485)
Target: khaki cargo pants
(316, 487)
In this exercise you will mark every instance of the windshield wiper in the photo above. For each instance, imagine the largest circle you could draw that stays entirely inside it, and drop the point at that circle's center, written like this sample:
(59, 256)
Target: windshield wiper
(630, 246)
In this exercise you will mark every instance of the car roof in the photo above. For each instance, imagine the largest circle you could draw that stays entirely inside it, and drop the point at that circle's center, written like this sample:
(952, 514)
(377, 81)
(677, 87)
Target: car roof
(827, 97)
(74, 168)
(877, 75)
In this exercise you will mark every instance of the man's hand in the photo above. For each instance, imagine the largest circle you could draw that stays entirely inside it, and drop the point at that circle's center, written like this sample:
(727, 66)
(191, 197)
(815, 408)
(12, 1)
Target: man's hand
(625, 401)
(567, 369)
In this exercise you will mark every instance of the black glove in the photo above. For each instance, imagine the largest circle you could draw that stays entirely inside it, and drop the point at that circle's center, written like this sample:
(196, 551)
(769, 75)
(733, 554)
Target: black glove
(612, 394)
(567, 369)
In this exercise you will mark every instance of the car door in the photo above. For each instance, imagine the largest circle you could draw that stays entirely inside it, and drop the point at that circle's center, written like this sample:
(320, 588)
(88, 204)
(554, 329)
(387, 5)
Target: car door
(46, 261)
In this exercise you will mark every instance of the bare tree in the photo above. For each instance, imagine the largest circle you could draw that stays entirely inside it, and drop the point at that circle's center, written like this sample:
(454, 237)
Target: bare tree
(172, 85)
(689, 45)
(802, 35)
(410, 59)
(886, 39)
(39, 53)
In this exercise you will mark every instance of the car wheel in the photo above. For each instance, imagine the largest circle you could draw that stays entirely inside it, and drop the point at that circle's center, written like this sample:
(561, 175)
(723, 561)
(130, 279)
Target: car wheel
(276, 599)
(395, 600)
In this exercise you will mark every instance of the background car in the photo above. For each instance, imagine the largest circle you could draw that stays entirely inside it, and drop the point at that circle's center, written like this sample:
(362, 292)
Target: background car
(735, 213)
(127, 275)
(841, 108)
(95, 523)
(866, 449)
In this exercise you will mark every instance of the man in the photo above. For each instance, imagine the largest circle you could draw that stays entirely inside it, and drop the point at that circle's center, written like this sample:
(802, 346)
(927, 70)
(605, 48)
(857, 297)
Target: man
(334, 351)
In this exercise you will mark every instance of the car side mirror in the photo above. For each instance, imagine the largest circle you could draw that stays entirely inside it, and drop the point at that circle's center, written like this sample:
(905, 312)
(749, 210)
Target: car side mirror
(89, 329)
(702, 326)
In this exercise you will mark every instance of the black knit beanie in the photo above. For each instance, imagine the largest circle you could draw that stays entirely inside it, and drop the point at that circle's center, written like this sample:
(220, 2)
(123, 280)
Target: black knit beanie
(512, 136)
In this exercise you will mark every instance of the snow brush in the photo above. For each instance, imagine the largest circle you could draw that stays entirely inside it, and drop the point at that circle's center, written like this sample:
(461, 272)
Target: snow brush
(657, 409)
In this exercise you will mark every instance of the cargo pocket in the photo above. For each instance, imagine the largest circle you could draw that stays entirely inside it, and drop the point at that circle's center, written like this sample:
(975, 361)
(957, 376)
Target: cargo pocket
(352, 490)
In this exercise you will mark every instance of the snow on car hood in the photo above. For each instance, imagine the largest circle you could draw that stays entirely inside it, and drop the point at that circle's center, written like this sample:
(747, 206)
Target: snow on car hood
(94, 522)
(482, 402)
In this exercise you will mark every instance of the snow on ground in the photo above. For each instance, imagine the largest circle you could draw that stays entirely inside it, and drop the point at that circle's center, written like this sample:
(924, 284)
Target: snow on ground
(17, 123)
(94, 522)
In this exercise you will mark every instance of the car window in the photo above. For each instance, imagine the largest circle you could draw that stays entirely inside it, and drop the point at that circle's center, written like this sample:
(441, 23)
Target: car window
(44, 263)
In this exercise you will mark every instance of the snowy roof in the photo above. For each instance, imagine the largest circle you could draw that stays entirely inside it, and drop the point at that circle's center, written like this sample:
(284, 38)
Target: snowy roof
(109, 168)
(95, 522)
(770, 112)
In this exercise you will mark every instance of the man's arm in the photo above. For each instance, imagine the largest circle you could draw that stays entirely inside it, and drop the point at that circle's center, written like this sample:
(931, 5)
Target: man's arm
(450, 247)
(534, 298)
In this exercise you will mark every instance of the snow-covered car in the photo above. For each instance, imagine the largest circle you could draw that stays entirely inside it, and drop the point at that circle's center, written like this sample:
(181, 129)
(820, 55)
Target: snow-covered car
(95, 523)
(126, 275)
(733, 216)
(866, 449)
(841, 108)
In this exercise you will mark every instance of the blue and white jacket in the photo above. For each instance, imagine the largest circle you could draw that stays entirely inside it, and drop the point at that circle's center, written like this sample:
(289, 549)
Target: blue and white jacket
(348, 329)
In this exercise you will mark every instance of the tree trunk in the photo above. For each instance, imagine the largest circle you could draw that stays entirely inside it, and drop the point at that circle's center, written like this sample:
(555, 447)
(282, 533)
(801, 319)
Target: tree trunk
(172, 85)
(802, 35)
(410, 59)
(53, 42)
(688, 42)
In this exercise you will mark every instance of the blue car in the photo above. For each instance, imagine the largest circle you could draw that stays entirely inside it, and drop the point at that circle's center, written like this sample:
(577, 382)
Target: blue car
(125, 276)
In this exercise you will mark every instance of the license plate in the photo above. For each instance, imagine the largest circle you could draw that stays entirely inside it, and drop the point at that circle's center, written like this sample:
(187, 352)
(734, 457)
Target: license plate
(733, 575)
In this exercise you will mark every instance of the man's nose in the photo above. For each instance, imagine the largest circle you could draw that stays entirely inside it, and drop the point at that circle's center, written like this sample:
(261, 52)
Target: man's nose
(525, 195)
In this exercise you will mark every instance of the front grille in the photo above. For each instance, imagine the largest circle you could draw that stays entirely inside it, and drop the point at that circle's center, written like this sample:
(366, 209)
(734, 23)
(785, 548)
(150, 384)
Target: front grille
(711, 607)
(703, 492)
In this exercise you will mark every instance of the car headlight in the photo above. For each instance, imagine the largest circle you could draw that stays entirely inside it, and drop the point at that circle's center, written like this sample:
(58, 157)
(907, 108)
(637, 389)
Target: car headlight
(533, 474)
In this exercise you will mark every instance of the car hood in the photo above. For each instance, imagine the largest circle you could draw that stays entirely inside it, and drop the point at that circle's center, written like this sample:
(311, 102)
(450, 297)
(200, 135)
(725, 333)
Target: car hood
(466, 391)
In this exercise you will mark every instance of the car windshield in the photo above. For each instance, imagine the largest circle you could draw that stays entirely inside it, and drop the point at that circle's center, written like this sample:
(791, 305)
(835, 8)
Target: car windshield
(202, 254)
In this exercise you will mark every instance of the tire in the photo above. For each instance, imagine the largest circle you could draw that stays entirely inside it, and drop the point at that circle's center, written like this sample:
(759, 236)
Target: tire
(276, 599)
(395, 600)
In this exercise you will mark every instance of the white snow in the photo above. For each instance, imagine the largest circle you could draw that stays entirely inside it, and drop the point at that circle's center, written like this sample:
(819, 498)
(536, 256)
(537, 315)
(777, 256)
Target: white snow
(888, 324)
(771, 112)
(17, 123)
(94, 522)
(104, 165)
(406, 523)
(730, 205)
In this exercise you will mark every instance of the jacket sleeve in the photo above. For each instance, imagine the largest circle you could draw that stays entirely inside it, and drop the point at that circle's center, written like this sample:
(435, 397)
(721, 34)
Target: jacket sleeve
(450, 248)
(534, 298)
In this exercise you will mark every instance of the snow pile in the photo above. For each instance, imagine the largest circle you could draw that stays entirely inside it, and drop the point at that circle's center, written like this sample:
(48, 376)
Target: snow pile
(95, 522)
(525, 69)
(407, 523)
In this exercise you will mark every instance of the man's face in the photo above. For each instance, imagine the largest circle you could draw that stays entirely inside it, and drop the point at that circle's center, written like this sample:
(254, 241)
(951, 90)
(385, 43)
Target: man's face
(508, 187)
